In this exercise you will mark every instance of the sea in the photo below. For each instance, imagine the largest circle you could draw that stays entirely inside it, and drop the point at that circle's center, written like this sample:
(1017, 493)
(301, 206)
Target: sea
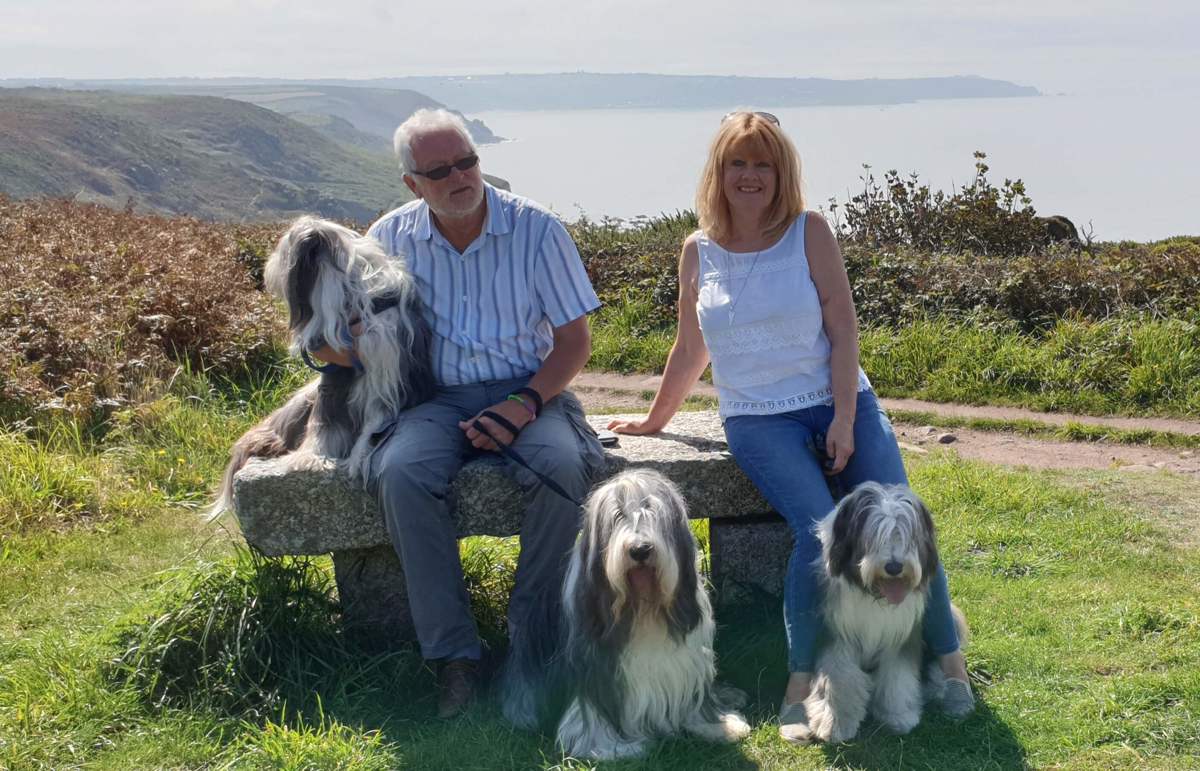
(1120, 167)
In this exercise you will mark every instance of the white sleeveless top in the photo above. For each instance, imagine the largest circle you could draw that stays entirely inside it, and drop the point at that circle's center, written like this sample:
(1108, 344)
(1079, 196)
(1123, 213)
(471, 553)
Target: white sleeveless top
(761, 320)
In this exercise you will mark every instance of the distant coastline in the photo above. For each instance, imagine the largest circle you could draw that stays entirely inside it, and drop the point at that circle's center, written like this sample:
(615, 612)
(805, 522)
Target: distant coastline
(591, 90)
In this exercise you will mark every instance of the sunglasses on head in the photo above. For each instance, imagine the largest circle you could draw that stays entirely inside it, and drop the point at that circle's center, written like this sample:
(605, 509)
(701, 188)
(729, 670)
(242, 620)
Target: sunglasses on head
(764, 115)
(441, 172)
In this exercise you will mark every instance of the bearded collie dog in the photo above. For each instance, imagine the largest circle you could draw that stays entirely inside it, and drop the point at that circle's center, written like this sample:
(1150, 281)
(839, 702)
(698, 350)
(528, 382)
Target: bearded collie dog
(636, 631)
(334, 280)
(878, 555)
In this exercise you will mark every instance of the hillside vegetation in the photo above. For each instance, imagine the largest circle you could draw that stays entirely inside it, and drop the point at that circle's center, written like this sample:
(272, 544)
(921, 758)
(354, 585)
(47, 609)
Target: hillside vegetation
(202, 156)
(101, 307)
(373, 112)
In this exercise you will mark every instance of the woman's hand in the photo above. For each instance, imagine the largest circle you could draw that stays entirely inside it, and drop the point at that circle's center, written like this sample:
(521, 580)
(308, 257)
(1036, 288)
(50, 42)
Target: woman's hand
(839, 443)
(633, 427)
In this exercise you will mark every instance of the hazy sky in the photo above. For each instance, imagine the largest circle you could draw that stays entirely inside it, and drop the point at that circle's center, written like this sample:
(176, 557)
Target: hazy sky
(1055, 45)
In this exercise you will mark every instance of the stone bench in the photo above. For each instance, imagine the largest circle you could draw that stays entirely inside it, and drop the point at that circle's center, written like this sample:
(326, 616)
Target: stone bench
(289, 512)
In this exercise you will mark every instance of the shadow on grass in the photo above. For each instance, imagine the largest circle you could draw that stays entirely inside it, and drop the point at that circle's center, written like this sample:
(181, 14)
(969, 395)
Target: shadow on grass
(258, 642)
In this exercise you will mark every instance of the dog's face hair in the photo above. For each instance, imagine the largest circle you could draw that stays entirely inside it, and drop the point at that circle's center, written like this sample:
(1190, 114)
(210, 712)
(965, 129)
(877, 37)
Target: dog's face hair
(328, 275)
(642, 551)
(330, 278)
(882, 541)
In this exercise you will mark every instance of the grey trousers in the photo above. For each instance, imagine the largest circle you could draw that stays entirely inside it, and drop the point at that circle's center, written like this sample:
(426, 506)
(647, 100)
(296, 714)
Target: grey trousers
(411, 471)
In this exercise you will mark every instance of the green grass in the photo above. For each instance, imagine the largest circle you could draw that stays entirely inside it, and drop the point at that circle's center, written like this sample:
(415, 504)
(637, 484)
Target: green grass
(624, 339)
(1129, 365)
(148, 640)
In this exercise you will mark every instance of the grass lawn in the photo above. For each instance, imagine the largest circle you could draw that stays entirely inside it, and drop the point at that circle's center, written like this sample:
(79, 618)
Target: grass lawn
(152, 642)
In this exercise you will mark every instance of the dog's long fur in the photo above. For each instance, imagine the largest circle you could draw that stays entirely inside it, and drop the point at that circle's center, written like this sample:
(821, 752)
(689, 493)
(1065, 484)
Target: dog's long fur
(331, 277)
(878, 557)
(637, 659)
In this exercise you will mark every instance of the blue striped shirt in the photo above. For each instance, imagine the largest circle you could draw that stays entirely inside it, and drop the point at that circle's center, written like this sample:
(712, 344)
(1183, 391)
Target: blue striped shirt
(494, 307)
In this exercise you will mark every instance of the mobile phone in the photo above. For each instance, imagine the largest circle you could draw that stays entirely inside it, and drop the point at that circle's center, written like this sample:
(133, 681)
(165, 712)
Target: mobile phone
(607, 438)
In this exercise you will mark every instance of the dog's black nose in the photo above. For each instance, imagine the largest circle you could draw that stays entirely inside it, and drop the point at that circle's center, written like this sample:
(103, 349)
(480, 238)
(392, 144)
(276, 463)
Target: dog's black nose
(641, 552)
(893, 568)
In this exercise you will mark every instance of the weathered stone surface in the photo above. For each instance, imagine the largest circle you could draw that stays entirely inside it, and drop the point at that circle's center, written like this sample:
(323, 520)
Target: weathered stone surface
(749, 552)
(374, 599)
(304, 511)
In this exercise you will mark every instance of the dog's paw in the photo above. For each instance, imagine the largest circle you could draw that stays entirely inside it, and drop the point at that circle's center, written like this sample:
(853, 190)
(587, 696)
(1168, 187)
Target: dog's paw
(735, 726)
(308, 461)
(900, 722)
(825, 725)
(729, 727)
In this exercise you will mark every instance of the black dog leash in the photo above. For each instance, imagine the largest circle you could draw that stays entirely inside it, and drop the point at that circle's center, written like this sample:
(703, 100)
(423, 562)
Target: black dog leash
(515, 456)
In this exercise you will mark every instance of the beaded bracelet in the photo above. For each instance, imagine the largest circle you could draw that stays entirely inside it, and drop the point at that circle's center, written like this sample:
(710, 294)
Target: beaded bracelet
(525, 404)
(532, 394)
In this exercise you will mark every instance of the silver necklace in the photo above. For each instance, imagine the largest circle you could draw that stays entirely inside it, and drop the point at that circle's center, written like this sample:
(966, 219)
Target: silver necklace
(745, 281)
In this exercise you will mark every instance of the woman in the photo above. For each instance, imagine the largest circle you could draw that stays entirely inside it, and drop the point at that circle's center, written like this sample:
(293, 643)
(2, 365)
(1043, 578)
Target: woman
(763, 290)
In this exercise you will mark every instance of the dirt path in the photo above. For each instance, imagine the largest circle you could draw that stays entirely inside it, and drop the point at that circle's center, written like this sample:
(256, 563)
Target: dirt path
(631, 393)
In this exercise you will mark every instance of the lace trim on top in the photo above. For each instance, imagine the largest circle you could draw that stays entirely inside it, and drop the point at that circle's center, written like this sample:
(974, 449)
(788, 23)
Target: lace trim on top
(798, 331)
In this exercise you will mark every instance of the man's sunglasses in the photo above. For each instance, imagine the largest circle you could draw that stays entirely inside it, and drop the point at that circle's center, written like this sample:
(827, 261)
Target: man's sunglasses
(764, 115)
(441, 172)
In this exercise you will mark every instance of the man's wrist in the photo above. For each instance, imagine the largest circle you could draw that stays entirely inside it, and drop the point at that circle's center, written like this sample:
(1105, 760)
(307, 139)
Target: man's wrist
(534, 399)
(526, 403)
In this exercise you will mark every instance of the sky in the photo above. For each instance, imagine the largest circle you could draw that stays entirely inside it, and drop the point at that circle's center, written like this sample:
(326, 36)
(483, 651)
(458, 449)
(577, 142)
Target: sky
(1058, 46)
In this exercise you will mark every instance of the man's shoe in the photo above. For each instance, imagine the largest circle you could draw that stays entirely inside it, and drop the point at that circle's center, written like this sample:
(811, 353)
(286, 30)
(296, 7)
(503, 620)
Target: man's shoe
(456, 686)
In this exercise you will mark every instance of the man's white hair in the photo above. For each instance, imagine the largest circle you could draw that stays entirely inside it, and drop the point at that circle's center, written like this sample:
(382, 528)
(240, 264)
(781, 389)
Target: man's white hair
(421, 122)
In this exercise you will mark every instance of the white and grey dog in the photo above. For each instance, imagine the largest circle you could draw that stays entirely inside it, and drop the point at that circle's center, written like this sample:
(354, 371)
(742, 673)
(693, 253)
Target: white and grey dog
(637, 661)
(878, 557)
(333, 279)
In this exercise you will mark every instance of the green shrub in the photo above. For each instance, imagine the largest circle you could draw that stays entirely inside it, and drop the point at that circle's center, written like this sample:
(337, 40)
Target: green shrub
(979, 218)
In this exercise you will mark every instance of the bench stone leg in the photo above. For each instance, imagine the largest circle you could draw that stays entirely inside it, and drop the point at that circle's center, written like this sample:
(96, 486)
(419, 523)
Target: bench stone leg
(374, 597)
(748, 551)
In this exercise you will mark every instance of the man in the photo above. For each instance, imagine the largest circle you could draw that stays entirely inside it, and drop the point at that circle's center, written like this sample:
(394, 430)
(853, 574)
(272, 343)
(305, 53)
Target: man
(507, 298)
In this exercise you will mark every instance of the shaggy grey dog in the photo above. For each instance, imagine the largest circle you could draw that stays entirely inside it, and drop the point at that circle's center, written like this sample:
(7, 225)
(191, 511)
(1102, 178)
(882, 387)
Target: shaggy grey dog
(878, 556)
(333, 279)
(637, 631)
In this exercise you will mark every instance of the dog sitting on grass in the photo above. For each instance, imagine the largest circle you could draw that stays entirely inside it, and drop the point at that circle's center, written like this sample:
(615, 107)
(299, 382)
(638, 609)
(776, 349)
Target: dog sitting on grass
(335, 281)
(877, 558)
(636, 660)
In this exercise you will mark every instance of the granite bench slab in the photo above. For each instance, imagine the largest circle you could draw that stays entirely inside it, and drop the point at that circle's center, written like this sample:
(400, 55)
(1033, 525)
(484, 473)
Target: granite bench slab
(285, 511)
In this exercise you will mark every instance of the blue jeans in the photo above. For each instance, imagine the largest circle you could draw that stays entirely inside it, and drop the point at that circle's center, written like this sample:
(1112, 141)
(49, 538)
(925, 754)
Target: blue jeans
(778, 453)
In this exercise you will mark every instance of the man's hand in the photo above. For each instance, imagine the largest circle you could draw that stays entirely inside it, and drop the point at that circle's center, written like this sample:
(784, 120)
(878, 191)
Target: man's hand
(516, 414)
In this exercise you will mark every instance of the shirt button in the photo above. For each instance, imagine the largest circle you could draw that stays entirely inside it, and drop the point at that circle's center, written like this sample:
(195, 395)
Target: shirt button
(464, 298)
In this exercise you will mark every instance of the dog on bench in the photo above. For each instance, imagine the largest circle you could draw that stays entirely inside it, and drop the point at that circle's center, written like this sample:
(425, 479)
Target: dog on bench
(334, 280)
(636, 661)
